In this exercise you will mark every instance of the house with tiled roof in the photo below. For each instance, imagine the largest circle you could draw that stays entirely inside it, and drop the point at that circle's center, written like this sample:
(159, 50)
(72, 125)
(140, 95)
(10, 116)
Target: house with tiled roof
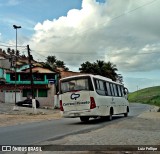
(44, 84)
(44, 81)
(64, 73)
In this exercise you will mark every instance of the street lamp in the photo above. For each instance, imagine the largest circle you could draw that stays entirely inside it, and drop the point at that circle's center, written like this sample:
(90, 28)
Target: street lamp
(16, 27)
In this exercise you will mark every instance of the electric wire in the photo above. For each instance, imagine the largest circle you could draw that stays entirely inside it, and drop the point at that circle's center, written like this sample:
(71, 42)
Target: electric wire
(112, 19)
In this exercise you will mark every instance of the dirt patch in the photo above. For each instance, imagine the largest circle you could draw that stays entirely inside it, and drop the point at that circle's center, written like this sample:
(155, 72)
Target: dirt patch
(11, 116)
(8, 120)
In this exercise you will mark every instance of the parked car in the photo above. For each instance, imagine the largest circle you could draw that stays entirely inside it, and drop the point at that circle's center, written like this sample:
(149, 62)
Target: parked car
(27, 103)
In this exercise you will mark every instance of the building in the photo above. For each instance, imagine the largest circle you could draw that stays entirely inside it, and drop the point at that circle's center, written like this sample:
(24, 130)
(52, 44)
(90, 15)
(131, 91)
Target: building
(19, 84)
(45, 83)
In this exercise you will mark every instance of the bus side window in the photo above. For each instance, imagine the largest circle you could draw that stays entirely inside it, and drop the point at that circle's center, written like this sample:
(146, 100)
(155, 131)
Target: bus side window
(72, 85)
(108, 90)
(122, 91)
(115, 90)
(111, 87)
(100, 87)
(119, 91)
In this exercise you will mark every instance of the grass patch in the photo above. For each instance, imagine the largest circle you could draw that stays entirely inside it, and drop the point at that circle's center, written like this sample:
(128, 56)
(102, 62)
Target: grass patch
(147, 96)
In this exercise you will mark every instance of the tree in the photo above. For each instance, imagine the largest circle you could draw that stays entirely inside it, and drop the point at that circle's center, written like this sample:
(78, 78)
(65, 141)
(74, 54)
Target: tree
(12, 52)
(61, 64)
(4, 51)
(52, 63)
(17, 53)
(51, 59)
(8, 50)
(101, 68)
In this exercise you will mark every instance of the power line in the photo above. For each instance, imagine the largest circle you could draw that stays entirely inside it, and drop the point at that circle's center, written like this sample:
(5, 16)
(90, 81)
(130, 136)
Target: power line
(40, 55)
(135, 9)
(11, 46)
(148, 53)
(4, 44)
(65, 52)
(121, 15)
(112, 19)
(136, 54)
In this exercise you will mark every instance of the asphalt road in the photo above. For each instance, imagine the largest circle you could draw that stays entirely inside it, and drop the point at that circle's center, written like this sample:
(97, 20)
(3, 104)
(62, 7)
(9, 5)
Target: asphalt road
(32, 133)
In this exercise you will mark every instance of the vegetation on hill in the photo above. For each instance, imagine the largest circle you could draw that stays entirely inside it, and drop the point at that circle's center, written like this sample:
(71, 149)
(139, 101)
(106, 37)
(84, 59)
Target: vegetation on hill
(149, 95)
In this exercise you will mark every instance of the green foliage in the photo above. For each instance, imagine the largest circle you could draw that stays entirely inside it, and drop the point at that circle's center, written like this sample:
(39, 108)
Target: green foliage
(101, 68)
(52, 63)
(148, 96)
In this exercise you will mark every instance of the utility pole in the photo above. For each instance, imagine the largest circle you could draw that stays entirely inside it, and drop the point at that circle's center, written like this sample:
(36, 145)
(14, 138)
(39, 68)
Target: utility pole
(16, 27)
(31, 74)
(31, 78)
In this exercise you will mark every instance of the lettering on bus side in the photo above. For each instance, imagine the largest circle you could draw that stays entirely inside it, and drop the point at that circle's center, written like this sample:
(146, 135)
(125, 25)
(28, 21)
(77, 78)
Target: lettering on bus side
(77, 103)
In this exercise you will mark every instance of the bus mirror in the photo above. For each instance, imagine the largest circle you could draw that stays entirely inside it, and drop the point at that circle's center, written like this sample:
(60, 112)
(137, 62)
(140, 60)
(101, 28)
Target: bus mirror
(125, 91)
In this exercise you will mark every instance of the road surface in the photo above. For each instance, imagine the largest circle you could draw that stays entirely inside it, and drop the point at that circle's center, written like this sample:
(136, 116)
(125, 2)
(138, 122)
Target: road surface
(32, 133)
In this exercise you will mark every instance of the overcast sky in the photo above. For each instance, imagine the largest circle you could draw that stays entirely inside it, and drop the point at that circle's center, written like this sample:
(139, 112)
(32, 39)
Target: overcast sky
(125, 32)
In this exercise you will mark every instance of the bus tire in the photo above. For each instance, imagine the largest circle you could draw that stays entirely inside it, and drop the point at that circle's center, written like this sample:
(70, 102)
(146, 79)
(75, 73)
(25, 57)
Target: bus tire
(127, 110)
(84, 119)
(110, 114)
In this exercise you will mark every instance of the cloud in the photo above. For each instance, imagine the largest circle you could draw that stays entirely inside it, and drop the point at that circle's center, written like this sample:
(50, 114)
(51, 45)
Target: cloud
(126, 32)
(10, 3)
(13, 2)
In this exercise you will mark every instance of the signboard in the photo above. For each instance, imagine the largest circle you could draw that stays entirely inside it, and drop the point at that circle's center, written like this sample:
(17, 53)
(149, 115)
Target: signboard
(51, 81)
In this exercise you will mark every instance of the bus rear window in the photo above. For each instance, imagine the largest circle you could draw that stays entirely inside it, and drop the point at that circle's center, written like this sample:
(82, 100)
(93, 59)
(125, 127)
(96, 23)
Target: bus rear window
(75, 84)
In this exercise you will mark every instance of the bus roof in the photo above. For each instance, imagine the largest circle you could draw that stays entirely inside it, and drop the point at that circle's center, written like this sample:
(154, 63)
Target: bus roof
(91, 75)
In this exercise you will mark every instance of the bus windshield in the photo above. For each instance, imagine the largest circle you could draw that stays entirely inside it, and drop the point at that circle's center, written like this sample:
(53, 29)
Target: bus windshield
(75, 84)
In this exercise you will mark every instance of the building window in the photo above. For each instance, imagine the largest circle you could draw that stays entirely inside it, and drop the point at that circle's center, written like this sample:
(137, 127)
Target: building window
(42, 93)
(12, 77)
(25, 77)
(28, 92)
(50, 76)
(38, 77)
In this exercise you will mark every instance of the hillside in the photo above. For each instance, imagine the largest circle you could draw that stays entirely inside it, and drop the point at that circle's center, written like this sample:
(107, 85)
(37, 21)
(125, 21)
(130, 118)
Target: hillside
(149, 95)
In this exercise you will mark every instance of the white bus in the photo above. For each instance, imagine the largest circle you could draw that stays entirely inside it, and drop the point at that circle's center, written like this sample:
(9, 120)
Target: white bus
(91, 96)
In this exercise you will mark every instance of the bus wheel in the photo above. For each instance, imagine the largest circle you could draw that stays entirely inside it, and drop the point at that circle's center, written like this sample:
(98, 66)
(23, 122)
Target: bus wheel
(84, 119)
(126, 114)
(110, 115)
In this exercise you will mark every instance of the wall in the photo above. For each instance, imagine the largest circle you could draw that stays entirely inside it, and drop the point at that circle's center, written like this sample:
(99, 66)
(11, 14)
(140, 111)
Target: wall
(2, 96)
(1, 73)
(10, 96)
(47, 101)
(4, 63)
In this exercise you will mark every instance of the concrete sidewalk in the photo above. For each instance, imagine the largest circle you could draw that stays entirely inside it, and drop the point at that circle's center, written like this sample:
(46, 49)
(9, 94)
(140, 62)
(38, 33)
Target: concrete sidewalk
(141, 130)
